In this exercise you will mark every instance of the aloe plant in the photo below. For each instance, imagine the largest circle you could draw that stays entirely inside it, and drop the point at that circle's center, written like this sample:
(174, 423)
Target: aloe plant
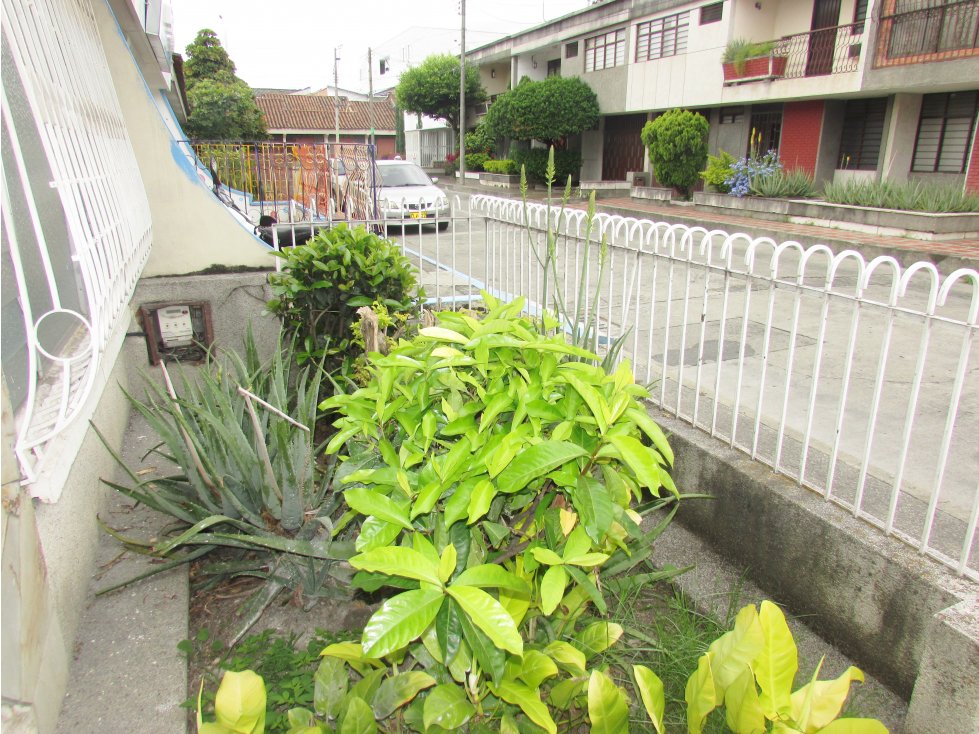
(246, 476)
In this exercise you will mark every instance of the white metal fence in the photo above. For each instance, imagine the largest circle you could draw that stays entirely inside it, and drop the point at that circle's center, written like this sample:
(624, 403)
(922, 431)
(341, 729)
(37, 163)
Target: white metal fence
(76, 220)
(859, 380)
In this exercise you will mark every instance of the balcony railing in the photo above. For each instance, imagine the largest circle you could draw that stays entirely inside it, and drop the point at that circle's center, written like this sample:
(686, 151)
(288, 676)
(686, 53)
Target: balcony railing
(923, 31)
(819, 53)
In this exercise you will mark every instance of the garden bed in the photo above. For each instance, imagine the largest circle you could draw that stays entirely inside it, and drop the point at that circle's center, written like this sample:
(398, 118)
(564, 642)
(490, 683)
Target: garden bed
(886, 222)
(500, 180)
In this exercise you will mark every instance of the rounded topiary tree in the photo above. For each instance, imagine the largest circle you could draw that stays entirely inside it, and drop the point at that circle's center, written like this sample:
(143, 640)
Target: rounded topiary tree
(548, 110)
(677, 143)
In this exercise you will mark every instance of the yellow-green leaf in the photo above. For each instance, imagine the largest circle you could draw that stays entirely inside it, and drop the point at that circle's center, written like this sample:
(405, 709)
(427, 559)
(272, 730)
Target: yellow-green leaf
(398, 561)
(396, 691)
(442, 334)
(529, 702)
(642, 419)
(547, 557)
(239, 705)
(480, 499)
(535, 668)
(492, 576)
(734, 652)
(776, 665)
(447, 706)
(607, 706)
(552, 587)
(536, 461)
(639, 459)
(700, 695)
(597, 637)
(854, 726)
(358, 718)
(400, 620)
(742, 709)
(650, 689)
(828, 697)
(370, 502)
(489, 616)
(567, 657)
(447, 563)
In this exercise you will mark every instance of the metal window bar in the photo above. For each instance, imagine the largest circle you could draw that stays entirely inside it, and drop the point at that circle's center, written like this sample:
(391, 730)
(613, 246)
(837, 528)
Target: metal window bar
(925, 28)
(820, 52)
(59, 59)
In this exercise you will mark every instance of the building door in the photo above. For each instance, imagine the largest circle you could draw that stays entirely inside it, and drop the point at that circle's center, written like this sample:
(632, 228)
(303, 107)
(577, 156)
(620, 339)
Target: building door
(622, 151)
(822, 43)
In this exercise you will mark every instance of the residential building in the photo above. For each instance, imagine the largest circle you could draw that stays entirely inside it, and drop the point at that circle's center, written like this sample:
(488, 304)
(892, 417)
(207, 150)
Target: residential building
(316, 118)
(100, 192)
(850, 88)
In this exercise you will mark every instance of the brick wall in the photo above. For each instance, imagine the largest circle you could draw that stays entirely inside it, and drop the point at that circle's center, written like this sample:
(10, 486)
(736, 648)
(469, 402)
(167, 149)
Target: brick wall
(972, 171)
(802, 124)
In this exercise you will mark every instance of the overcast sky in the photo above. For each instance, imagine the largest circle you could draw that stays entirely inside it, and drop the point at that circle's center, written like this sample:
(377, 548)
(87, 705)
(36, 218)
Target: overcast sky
(289, 43)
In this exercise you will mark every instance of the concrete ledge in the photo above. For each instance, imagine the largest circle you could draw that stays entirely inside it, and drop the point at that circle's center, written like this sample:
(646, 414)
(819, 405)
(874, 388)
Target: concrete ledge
(652, 192)
(873, 597)
(500, 180)
(884, 222)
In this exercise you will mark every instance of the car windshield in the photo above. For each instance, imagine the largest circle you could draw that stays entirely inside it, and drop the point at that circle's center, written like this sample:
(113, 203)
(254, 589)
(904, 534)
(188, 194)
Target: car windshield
(403, 176)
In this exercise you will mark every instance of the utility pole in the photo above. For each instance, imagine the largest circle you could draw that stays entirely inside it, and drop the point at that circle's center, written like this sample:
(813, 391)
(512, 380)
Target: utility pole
(370, 90)
(462, 97)
(336, 99)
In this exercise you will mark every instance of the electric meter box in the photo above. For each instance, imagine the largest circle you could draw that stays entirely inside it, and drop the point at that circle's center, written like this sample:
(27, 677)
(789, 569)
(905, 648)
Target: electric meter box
(177, 332)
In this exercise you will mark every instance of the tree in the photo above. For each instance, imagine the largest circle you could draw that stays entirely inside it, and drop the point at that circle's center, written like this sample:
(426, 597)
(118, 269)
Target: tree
(432, 89)
(548, 110)
(677, 142)
(222, 106)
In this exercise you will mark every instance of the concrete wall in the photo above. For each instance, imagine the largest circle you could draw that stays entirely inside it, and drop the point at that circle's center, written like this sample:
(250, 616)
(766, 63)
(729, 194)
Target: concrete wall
(192, 229)
(902, 617)
(900, 132)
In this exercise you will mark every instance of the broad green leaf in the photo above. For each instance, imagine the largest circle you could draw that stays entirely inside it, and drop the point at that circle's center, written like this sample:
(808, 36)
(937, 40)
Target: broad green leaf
(508, 725)
(650, 689)
(854, 726)
(593, 399)
(426, 499)
(489, 616)
(594, 506)
(563, 694)
(742, 708)
(447, 563)
(479, 502)
(587, 560)
(398, 561)
(639, 459)
(828, 697)
(329, 686)
(547, 557)
(642, 419)
(448, 633)
(495, 532)
(567, 657)
(586, 585)
(700, 695)
(239, 705)
(490, 657)
(535, 462)
(370, 502)
(301, 720)
(552, 587)
(734, 651)
(535, 668)
(353, 654)
(607, 706)
(498, 404)
(396, 691)
(358, 718)
(529, 702)
(578, 543)
(457, 506)
(376, 533)
(400, 620)
(597, 637)
(447, 706)
(776, 665)
(490, 575)
(442, 334)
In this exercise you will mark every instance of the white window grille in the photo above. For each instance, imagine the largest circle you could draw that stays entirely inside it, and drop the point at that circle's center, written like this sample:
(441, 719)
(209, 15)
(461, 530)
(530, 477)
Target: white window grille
(667, 36)
(76, 221)
(605, 51)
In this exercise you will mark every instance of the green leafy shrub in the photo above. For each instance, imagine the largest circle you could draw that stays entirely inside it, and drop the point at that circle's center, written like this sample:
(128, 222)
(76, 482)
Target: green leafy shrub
(916, 196)
(324, 282)
(476, 161)
(480, 140)
(677, 143)
(548, 110)
(719, 169)
(782, 184)
(566, 163)
(503, 165)
(247, 481)
(495, 469)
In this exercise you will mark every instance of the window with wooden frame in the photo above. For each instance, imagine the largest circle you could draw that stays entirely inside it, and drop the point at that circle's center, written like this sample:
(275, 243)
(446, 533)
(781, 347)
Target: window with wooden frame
(571, 50)
(712, 13)
(667, 36)
(605, 51)
(862, 133)
(945, 130)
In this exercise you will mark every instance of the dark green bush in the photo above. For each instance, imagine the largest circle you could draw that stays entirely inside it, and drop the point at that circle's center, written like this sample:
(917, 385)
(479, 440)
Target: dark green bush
(566, 163)
(325, 281)
(677, 142)
(480, 140)
(502, 165)
(476, 161)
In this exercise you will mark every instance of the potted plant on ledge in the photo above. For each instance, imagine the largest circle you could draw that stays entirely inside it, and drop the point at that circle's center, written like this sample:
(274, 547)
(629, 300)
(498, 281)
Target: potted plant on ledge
(745, 60)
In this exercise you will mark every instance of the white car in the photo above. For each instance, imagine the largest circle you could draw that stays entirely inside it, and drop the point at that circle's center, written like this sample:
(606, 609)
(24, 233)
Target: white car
(406, 193)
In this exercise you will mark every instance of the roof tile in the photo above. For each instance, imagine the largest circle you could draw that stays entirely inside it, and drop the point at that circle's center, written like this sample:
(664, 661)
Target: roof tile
(315, 112)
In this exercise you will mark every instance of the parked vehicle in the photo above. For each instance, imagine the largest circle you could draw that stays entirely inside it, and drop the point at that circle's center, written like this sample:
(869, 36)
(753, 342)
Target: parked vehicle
(406, 193)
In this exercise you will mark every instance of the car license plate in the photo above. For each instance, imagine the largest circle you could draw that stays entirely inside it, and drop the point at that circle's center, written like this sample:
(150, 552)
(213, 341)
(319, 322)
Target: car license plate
(418, 215)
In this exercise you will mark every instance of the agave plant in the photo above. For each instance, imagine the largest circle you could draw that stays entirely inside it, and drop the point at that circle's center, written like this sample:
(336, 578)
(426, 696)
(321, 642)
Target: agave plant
(241, 436)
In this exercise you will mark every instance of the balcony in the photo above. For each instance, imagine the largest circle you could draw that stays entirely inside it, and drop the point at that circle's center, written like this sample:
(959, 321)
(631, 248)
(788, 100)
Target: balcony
(822, 52)
(924, 32)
